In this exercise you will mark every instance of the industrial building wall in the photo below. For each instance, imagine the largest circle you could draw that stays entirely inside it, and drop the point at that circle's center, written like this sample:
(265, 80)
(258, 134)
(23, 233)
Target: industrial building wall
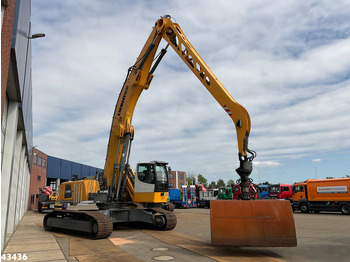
(37, 178)
(16, 109)
(60, 170)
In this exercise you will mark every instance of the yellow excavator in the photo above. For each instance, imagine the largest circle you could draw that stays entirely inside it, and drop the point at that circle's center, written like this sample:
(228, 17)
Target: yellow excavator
(125, 196)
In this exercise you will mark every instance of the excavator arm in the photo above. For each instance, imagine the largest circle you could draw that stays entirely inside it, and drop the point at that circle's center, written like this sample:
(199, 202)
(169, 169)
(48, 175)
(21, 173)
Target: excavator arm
(139, 77)
(174, 35)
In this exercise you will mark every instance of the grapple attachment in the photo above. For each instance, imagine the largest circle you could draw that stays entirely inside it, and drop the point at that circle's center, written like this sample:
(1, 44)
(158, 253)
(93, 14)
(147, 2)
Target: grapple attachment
(268, 223)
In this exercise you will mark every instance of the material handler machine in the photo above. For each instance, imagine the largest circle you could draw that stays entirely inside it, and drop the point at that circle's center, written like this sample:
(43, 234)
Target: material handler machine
(130, 197)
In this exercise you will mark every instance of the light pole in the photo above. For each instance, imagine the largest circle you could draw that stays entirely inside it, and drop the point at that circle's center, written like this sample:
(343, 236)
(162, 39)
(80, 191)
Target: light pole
(316, 171)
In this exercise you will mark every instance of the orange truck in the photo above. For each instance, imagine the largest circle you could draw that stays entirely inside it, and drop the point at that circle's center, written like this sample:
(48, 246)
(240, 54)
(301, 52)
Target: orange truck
(322, 195)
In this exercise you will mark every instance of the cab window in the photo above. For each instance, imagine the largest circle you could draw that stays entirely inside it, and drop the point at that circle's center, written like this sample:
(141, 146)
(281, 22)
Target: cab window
(145, 173)
(297, 189)
(285, 188)
(68, 191)
(162, 181)
(274, 189)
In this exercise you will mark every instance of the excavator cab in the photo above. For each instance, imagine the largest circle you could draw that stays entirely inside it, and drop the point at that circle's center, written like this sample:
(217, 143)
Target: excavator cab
(151, 182)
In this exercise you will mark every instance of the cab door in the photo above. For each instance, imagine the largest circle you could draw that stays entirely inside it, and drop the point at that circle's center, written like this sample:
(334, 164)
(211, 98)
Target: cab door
(151, 183)
(298, 192)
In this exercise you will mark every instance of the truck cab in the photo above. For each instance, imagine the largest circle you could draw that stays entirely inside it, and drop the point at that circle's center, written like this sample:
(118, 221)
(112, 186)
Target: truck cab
(280, 191)
(263, 191)
(236, 193)
(225, 193)
(299, 192)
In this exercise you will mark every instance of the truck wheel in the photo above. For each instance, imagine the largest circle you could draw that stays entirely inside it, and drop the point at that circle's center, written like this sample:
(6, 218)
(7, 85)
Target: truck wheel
(345, 209)
(304, 208)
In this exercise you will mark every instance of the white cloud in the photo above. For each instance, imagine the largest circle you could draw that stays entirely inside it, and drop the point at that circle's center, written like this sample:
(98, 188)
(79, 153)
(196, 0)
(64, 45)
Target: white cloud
(317, 160)
(267, 163)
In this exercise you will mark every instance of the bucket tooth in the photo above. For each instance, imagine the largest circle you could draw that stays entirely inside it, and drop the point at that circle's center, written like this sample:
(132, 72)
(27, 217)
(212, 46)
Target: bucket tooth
(254, 223)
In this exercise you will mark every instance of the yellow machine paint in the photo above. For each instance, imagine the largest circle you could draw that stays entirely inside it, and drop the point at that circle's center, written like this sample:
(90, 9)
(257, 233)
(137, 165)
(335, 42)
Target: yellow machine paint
(151, 197)
(77, 191)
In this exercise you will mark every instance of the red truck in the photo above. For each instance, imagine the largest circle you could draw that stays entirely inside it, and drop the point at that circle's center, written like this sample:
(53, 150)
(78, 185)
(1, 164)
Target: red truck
(280, 191)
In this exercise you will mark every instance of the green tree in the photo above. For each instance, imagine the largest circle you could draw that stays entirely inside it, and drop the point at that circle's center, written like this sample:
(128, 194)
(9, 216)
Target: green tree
(220, 183)
(202, 180)
(230, 182)
(191, 179)
(212, 185)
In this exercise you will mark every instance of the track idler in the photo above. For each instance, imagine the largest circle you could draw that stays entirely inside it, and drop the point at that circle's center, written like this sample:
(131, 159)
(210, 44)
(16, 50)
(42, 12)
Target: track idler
(164, 220)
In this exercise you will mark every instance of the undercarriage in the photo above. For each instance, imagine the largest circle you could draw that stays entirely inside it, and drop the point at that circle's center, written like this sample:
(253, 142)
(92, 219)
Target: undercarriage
(99, 224)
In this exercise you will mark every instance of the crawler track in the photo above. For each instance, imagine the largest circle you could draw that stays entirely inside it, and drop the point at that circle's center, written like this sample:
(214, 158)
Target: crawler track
(92, 224)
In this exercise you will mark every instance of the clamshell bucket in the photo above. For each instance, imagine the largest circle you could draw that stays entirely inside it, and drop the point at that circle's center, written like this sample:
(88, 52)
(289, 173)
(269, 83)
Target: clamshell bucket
(267, 223)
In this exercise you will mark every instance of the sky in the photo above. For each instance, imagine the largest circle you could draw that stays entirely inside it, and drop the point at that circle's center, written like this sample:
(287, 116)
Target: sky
(287, 62)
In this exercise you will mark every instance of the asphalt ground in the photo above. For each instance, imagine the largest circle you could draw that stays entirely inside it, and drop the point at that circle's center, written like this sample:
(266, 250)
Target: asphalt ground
(321, 237)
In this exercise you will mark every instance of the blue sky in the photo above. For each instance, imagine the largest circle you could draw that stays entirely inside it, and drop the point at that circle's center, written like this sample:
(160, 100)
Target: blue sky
(286, 62)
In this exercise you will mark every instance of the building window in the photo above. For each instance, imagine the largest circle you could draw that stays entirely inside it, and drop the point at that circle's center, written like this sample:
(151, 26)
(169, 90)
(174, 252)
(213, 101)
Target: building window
(39, 162)
(44, 163)
(35, 159)
(53, 185)
(181, 185)
(171, 185)
(181, 176)
(171, 176)
(32, 199)
(38, 178)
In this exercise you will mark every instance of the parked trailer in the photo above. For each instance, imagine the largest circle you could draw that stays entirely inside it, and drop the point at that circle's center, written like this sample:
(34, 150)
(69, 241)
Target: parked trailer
(184, 197)
(175, 197)
(322, 195)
